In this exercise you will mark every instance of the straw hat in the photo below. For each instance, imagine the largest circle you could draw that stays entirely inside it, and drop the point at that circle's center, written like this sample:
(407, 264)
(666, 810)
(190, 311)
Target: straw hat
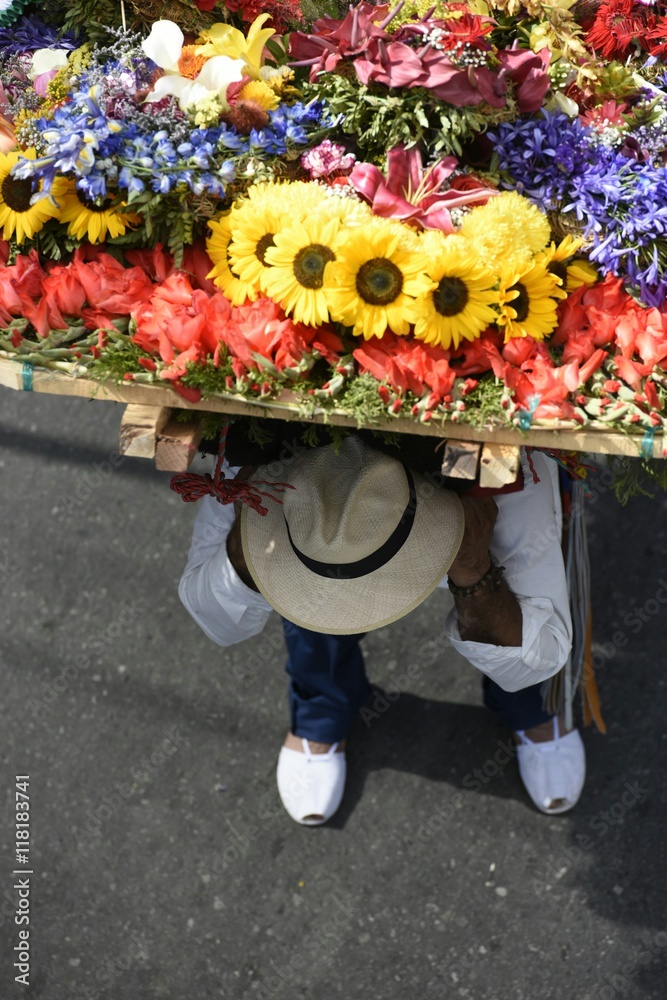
(360, 541)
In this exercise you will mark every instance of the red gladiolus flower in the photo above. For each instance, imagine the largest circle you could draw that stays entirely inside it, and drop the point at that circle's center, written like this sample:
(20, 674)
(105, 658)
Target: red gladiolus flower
(408, 365)
(20, 283)
(111, 287)
(260, 330)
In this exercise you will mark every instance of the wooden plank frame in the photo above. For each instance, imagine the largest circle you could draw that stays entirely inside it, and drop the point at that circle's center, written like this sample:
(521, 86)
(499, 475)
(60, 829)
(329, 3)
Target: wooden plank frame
(567, 436)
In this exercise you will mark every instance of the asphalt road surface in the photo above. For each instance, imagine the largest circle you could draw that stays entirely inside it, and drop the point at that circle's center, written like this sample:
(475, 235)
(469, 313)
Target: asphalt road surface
(161, 863)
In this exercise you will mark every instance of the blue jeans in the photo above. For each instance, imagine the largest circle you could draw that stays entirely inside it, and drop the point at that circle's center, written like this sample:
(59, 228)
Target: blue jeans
(328, 687)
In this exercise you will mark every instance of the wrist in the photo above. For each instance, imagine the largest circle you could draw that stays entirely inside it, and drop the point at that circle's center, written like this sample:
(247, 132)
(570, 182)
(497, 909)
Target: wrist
(489, 582)
(466, 574)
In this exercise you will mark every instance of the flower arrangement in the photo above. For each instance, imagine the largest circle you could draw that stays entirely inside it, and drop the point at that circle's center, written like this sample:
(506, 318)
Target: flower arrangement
(449, 210)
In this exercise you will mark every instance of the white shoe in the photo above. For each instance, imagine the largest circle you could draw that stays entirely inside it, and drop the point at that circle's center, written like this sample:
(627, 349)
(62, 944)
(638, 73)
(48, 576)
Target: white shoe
(311, 785)
(553, 772)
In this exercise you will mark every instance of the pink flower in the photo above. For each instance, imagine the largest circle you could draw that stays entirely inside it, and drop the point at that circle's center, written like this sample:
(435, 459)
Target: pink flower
(413, 194)
(327, 158)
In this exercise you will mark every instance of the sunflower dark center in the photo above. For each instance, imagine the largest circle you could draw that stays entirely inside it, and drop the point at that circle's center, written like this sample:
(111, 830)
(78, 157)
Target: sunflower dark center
(309, 264)
(379, 281)
(521, 303)
(262, 246)
(92, 205)
(451, 296)
(559, 268)
(17, 193)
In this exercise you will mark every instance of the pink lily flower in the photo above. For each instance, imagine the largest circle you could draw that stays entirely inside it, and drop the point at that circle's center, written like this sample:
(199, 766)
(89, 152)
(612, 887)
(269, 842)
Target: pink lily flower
(411, 193)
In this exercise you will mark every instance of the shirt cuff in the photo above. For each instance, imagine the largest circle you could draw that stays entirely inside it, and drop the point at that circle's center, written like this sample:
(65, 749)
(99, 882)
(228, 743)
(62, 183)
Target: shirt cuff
(544, 648)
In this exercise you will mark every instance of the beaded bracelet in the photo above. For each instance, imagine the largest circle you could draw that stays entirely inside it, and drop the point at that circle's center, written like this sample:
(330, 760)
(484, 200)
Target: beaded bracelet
(494, 574)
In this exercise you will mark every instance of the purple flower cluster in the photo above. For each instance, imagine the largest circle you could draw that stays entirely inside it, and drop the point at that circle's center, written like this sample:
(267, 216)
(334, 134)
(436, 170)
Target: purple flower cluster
(541, 156)
(31, 33)
(623, 204)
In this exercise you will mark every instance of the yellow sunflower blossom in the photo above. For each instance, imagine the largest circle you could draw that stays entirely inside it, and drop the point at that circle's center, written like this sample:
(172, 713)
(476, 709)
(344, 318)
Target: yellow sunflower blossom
(217, 246)
(460, 306)
(561, 261)
(254, 224)
(19, 218)
(299, 259)
(376, 280)
(507, 230)
(88, 221)
(528, 301)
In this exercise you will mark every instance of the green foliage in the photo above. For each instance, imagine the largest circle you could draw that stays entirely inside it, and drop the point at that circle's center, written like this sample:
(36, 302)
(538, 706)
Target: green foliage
(86, 17)
(380, 118)
(361, 399)
(483, 404)
(638, 477)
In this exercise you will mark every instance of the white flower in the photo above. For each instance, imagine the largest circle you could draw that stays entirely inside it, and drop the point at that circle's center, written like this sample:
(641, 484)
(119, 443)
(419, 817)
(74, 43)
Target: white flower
(46, 60)
(164, 46)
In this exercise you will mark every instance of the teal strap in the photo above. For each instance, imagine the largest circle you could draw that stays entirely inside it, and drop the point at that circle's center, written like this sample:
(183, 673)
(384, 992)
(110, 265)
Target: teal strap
(647, 443)
(26, 375)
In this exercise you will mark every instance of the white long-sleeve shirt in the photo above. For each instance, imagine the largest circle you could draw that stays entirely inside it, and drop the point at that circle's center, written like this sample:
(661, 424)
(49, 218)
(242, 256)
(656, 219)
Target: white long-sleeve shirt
(526, 541)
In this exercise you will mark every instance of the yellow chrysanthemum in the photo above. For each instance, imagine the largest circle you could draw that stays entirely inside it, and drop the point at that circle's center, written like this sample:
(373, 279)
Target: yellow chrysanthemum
(376, 281)
(217, 246)
(528, 301)
(254, 223)
(299, 258)
(88, 221)
(19, 219)
(260, 93)
(507, 230)
(461, 304)
(573, 271)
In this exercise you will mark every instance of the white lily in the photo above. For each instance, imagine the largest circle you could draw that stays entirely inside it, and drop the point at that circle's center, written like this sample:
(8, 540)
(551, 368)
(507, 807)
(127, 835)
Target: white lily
(47, 60)
(164, 46)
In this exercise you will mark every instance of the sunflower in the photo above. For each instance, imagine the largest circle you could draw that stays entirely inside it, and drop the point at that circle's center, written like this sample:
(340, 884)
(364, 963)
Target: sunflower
(92, 222)
(376, 280)
(573, 271)
(528, 301)
(298, 259)
(461, 304)
(217, 246)
(254, 225)
(507, 230)
(18, 217)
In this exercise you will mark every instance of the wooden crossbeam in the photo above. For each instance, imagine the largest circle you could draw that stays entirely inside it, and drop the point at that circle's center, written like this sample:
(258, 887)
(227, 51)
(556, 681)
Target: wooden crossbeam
(461, 459)
(139, 429)
(177, 444)
(499, 465)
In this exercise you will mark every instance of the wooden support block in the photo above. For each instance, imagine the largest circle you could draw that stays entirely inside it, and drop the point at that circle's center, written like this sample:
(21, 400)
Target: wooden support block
(139, 429)
(177, 445)
(499, 465)
(461, 459)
